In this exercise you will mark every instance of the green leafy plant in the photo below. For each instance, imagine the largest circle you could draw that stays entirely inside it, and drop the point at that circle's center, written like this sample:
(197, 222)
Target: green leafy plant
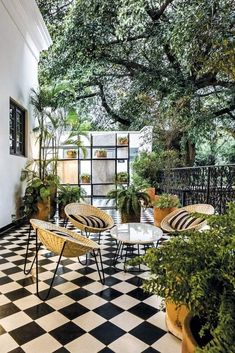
(123, 140)
(121, 177)
(198, 270)
(85, 178)
(166, 201)
(129, 199)
(68, 194)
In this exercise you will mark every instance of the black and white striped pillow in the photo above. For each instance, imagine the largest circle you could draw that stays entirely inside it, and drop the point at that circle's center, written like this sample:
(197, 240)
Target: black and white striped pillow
(90, 221)
(183, 220)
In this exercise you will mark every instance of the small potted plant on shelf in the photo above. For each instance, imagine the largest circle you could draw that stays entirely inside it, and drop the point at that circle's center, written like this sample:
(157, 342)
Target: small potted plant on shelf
(68, 194)
(129, 201)
(123, 140)
(101, 153)
(121, 177)
(197, 270)
(85, 178)
(71, 153)
(163, 205)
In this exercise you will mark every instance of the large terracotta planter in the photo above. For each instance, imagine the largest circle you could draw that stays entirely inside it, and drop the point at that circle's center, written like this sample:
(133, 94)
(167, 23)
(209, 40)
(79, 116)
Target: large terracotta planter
(160, 213)
(43, 212)
(151, 193)
(175, 316)
(189, 343)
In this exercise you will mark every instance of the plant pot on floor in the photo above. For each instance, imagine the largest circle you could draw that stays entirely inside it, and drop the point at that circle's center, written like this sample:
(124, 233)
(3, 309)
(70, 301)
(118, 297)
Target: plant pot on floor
(175, 316)
(151, 193)
(43, 212)
(160, 213)
(130, 218)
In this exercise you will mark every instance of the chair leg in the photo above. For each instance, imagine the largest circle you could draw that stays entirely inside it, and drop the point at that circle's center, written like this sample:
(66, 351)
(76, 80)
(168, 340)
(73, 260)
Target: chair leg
(37, 279)
(85, 262)
(26, 272)
(101, 269)
(65, 222)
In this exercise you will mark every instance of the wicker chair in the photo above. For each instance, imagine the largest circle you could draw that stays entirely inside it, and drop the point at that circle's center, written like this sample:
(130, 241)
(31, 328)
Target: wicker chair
(63, 242)
(197, 208)
(88, 210)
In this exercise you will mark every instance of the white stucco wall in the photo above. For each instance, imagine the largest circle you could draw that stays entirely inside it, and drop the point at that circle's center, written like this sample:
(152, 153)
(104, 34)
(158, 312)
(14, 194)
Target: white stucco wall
(18, 74)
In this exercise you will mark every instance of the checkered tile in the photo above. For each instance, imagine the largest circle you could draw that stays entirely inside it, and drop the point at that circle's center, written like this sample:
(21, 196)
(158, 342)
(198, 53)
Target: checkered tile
(81, 315)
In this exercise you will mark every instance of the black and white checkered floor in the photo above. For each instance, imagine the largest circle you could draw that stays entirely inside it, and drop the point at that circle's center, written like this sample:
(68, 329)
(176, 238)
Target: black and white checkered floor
(81, 315)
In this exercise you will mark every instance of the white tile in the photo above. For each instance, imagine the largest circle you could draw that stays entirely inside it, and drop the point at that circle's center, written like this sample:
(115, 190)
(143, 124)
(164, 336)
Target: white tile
(92, 302)
(9, 287)
(125, 301)
(155, 301)
(7, 343)
(45, 343)
(60, 302)
(27, 302)
(126, 321)
(159, 320)
(52, 321)
(85, 344)
(14, 321)
(96, 287)
(124, 287)
(4, 299)
(66, 287)
(128, 344)
(71, 275)
(89, 320)
(168, 344)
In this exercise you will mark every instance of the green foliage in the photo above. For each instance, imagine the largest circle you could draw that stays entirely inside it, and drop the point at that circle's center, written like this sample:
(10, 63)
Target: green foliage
(148, 165)
(169, 64)
(68, 194)
(166, 201)
(121, 177)
(129, 199)
(197, 269)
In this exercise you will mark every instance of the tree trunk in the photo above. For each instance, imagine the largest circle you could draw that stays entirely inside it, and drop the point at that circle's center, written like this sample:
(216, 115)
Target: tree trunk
(190, 153)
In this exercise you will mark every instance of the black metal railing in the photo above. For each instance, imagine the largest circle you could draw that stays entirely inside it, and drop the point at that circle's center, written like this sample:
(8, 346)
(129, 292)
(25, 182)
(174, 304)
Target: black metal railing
(209, 184)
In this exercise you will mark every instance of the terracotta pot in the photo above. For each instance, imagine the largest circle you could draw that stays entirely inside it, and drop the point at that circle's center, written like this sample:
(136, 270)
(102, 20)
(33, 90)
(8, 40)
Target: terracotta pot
(85, 180)
(130, 218)
(62, 214)
(43, 212)
(71, 154)
(175, 317)
(160, 213)
(151, 193)
(123, 142)
(101, 154)
(189, 343)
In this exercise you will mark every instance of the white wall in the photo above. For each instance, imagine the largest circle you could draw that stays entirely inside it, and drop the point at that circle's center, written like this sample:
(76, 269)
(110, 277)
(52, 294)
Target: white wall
(18, 74)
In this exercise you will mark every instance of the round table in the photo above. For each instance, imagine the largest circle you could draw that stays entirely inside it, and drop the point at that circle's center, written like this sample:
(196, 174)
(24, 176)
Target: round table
(130, 234)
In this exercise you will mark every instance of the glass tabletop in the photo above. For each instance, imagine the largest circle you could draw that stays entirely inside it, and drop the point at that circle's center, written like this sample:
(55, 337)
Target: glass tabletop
(136, 233)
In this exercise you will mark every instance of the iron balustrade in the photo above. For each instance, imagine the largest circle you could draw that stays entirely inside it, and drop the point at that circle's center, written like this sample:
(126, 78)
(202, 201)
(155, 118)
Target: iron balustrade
(208, 184)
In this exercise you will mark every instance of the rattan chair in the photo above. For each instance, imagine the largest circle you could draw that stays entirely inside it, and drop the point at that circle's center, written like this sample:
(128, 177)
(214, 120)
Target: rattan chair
(205, 209)
(88, 210)
(63, 242)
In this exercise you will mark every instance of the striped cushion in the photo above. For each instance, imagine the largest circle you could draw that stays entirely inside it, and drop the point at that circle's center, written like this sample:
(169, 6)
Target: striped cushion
(90, 221)
(183, 220)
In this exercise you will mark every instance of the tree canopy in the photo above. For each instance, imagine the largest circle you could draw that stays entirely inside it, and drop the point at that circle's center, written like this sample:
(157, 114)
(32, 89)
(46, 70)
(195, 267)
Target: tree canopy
(168, 63)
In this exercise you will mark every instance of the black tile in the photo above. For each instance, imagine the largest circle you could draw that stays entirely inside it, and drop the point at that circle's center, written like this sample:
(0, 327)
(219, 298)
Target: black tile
(147, 333)
(151, 350)
(86, 270)
(73, 310)
(17, 294)
(111, 281)
(109, 294)
(3, 261)
(136, 281)
(17, 350)
(108, 310)
(53, 293)
(38, 311)
(82, 281)
(12, 270)
(111, 271)
(58, 280)
(107, 333)
(2, 331)
(27, 333)
(67, 333)
(106, 350)
(5, 280)
(139, 294)
(79, 294)
(142, 310)
(27, 281)
(61, 350)
(8, 309)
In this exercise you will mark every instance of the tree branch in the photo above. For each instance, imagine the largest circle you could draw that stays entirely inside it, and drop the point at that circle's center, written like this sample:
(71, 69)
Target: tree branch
(156, 14)
(84, 96)
(105, 105)
(227, 110)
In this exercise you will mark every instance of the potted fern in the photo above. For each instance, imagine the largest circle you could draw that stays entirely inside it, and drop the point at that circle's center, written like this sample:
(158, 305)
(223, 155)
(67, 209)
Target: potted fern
(129, 201)
(68, 194)
(198, 271)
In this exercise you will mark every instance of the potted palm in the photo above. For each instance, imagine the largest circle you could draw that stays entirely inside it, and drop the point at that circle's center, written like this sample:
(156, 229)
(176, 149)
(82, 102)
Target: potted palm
(123, 140)
(163, 205)
(85, 178)
(198, 271)
(101, 153)
(68, 194)
(121, 177)
(129, 201)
